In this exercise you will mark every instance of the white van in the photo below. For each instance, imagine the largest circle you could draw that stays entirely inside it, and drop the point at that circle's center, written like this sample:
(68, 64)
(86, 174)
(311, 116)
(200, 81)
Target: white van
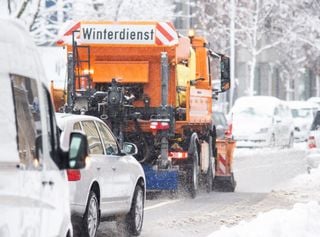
(262, 121)
(34, 199)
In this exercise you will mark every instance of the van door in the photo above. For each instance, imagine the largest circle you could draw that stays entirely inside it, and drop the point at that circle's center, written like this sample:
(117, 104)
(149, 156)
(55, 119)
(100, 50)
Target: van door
(27, 196)
(55, 194)
(43, 186)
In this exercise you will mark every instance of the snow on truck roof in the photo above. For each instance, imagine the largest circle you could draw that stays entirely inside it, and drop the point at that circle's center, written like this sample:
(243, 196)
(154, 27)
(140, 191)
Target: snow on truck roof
(126, 32)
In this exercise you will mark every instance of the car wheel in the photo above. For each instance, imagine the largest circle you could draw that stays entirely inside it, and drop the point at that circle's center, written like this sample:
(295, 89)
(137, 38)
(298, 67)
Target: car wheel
(90, 219)
(273, 141)
(131, 224)
(291, 140)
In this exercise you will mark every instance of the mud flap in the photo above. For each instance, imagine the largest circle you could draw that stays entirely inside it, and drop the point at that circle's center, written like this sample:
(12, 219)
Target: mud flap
(224, 183)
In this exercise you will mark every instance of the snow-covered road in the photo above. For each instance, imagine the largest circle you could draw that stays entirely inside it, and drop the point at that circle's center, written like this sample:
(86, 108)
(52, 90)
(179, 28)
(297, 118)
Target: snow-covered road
(258, 172)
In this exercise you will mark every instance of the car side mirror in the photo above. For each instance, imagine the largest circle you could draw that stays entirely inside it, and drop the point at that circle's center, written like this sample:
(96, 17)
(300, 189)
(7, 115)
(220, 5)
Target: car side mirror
(225, 73)
(129, 148)
(78, 150)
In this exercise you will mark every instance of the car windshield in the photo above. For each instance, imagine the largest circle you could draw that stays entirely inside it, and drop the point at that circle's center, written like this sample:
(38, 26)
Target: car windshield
(301, 113)
(251, 112)
(316, 122)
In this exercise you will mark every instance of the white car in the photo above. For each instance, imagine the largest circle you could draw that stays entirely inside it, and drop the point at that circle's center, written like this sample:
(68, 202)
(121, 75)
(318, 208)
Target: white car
(315, 101)
(313, 153)
(34, 195)
(113, 183)
(261, 121)
(303, 114)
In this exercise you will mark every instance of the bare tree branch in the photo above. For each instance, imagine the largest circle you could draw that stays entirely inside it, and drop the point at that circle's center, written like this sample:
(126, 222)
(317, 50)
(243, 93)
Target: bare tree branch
(35, 16)
(9, 6)
(116, 16)
(22, 8)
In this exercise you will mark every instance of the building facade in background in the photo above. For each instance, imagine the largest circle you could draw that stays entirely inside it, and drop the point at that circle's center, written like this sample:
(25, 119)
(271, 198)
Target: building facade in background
(270, 74)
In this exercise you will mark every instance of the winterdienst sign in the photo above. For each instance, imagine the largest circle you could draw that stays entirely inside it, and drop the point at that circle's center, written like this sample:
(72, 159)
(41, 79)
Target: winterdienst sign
(134, 33)
(117, 34)
(160, 34)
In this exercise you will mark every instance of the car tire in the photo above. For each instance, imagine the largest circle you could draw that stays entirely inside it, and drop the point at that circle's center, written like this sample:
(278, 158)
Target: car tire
(272, 141)
(131, 223)
(90, 221)
(291, 140)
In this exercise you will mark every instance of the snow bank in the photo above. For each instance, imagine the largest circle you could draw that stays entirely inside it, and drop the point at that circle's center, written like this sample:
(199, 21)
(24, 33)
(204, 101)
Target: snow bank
(303, 182)
(302, 220)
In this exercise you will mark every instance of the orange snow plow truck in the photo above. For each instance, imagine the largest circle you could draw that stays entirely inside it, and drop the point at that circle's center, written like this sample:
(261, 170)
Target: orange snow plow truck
(153, 87)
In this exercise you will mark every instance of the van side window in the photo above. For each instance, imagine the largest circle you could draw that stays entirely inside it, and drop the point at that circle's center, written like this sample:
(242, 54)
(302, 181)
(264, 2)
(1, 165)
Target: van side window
(110, 144)
(94, 142)
(28, 121)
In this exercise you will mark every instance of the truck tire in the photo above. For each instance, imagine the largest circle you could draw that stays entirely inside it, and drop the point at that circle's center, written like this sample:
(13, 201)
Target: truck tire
(209, 174)
(193, 174)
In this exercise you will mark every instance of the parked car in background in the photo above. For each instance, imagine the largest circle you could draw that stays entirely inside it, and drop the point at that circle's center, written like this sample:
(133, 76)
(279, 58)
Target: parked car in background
(221, 123)
(316, 101)
(303, 114)
(261, 121)
(34, 195)
(113, 184)
(313, 154)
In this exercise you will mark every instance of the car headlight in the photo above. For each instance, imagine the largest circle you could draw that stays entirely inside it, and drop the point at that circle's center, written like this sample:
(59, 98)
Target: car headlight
(263, 130)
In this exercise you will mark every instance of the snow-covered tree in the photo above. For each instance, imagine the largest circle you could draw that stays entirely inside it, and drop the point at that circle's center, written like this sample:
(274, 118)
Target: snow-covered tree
(287, 29)
(44, 18)
(116, 10)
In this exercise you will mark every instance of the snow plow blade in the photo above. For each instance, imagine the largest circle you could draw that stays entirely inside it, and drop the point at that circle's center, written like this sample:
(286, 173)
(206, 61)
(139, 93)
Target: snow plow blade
(159, 180)
(224, 179)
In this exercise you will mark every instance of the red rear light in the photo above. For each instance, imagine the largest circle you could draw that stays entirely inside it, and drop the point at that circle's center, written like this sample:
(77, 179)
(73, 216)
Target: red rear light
(312, 142)
(159, 125)
(178, 155)
(73, 175)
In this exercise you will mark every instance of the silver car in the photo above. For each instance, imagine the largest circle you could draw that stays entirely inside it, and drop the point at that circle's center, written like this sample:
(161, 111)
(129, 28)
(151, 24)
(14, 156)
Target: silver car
(313, 153)
(261, 121)
(112, 184)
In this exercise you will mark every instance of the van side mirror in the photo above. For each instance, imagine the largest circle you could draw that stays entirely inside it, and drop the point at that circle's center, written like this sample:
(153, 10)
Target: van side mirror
(129, 148)
(225, 73)
(78, 150)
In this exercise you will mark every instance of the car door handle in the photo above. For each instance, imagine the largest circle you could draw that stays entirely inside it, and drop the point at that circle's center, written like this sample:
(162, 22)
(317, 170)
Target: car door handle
(114, 168)
(50, 183)
(98, 168)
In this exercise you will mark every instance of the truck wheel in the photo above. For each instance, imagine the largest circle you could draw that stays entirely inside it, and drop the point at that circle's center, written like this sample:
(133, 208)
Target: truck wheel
(209, 175)
(193, 174)
(131, 224)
